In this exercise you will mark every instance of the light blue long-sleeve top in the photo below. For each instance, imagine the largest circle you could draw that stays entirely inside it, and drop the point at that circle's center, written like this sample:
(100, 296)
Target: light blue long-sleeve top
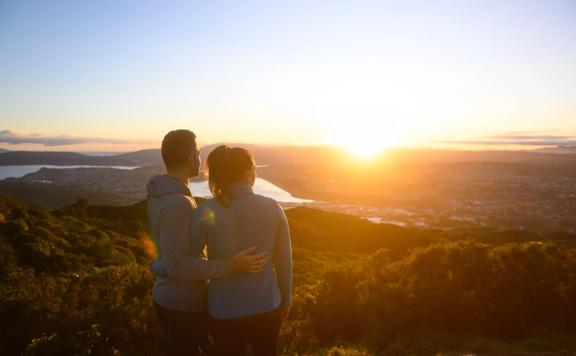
(250, 220)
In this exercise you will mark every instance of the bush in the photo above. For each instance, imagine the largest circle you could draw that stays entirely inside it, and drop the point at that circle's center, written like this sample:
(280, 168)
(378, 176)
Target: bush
(76, 281)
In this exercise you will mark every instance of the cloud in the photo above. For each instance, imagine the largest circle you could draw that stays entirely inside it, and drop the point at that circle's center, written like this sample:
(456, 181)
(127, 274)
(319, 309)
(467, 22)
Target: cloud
(520, 139)
(13, 138)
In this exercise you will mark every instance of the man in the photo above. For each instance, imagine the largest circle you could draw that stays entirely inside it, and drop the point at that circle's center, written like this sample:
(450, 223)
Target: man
(180, 295)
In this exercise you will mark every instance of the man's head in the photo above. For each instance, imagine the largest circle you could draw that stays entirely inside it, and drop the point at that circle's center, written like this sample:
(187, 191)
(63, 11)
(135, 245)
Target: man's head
(180, 153)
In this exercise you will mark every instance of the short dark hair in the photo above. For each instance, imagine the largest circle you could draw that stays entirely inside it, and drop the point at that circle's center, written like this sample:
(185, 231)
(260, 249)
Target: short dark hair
(176, 147)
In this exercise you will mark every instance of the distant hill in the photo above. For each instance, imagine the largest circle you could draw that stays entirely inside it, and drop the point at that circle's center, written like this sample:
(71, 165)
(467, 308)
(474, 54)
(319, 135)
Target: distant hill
(293, 155)
(3, 150)
(542, 168)
(151, 157)
(284, 155)
(559, 149)
(265, 155)
(65, 159)
(416, 156)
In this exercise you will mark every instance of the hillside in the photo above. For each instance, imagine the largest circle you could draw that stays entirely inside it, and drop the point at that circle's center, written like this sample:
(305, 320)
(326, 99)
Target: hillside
(327, 231)
(76, 281)
(56, 242)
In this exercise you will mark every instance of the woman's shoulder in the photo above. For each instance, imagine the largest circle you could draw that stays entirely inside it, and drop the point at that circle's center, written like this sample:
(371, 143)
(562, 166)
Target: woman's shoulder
(266, 202)
(208, 204)
(206, 211)
(264, 199)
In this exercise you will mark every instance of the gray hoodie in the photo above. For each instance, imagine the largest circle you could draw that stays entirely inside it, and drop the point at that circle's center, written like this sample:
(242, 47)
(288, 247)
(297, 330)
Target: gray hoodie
(170, 210)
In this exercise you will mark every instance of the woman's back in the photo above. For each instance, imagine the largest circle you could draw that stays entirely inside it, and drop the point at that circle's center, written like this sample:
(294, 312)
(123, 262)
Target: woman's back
(249, 220)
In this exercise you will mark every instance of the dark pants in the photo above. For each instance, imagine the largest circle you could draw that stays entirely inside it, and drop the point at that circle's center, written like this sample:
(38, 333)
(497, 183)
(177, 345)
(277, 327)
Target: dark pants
(186, 332)
(260, 331)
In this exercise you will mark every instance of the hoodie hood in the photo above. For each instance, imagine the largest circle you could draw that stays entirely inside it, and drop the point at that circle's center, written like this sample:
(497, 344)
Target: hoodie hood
(164, 184)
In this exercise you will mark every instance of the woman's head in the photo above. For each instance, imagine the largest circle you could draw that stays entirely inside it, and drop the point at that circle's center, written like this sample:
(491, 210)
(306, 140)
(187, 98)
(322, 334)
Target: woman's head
(227, 165)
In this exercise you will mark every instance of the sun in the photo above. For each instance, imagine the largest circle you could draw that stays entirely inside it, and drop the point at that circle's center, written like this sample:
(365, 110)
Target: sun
(364, 141)
(364, 149)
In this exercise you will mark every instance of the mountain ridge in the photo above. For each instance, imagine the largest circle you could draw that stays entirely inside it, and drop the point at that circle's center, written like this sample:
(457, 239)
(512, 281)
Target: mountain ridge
(287, 155)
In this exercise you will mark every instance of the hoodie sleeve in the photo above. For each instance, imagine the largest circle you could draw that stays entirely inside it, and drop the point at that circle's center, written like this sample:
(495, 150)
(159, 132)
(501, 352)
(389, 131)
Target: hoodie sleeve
(283, 258)
(175, 243)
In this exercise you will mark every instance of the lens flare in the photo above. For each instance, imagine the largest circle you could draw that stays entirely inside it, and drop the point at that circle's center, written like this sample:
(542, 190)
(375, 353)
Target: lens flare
(208, 216)
(149, 246)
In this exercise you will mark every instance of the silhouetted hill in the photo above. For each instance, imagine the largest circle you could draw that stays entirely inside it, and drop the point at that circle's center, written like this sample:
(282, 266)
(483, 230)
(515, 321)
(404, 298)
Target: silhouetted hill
(286, 155)
(329, 231)
(541, 168)
(55, 158)
(291, 155)
(559, 149)
(310, 228)
(321, 230)
(450, 156)
(142, 158)
(267, 155)
(66, 159)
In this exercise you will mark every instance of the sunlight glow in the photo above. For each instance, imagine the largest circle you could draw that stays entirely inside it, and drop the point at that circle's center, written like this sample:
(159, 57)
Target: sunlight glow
(365, 149)
(365, 139)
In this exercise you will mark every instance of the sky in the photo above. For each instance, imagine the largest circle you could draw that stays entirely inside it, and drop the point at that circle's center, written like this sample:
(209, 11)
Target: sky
(116, 75)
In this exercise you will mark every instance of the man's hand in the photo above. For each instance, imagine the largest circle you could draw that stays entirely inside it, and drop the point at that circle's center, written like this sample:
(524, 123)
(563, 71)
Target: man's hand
(285, 313)
(247, 261)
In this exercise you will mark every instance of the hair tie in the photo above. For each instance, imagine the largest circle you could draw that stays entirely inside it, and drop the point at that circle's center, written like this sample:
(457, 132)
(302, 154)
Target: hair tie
(227, 150)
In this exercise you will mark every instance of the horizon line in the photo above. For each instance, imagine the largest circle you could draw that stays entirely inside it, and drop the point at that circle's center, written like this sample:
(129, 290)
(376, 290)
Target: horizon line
(477, 148)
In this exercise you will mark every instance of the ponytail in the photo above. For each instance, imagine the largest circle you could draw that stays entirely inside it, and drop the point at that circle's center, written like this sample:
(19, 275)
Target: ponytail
(227, 165)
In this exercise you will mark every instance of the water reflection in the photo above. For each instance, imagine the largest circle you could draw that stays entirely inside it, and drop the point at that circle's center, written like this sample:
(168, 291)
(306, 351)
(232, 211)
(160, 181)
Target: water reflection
(261, 186)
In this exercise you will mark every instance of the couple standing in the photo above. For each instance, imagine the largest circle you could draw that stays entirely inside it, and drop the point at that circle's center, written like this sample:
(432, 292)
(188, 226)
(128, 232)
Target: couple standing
(238, 240)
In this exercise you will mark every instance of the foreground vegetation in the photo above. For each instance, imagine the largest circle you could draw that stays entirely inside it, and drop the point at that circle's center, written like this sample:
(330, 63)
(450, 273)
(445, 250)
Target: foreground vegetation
(76, 281)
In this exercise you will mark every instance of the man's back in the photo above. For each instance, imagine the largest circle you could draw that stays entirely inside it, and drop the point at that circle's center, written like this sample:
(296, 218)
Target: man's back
(170, 209)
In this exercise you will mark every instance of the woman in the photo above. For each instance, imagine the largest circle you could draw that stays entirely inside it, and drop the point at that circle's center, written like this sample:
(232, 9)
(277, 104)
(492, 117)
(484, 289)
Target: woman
(244, 308)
